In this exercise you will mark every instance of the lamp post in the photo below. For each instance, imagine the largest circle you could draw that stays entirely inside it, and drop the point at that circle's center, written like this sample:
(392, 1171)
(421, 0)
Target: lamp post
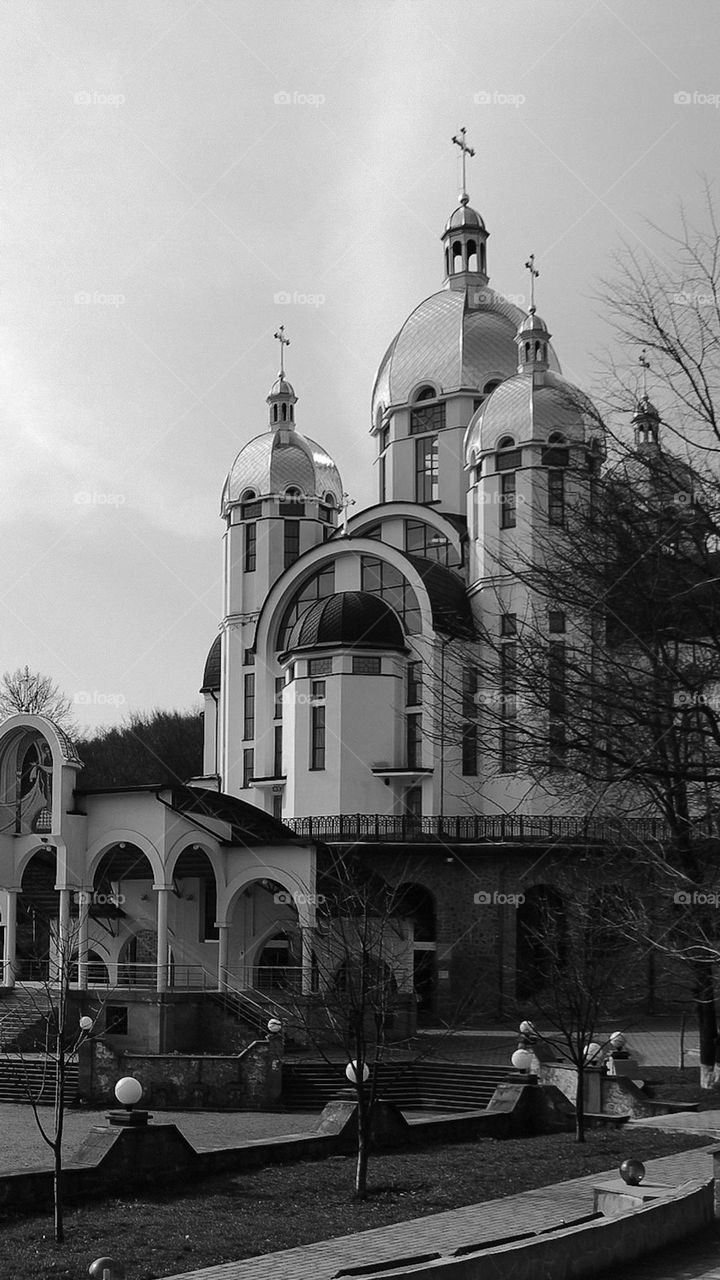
(106, 1269)
(128, 1092)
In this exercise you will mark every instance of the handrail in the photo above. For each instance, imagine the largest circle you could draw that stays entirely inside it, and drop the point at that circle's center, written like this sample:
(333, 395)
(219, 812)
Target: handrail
(476, 827)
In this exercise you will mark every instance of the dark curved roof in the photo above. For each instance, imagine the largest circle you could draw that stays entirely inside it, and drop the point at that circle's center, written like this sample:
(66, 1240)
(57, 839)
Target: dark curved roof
(211, 674)
(448, 600)
(353, 619)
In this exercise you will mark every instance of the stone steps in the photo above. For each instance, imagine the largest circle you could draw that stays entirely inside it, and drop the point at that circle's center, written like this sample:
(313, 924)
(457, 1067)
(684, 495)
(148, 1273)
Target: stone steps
(20, 1079)
(307, 1086)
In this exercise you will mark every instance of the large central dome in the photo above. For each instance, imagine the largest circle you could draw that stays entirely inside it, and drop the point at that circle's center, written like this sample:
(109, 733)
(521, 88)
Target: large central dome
(455, 338)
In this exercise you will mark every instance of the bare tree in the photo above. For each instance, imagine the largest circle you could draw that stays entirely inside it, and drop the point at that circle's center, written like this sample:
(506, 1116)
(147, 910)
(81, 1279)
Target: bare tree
(36, 694)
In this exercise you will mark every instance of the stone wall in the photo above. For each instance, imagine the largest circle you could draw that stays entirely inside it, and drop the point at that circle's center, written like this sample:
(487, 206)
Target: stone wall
(249, 1081)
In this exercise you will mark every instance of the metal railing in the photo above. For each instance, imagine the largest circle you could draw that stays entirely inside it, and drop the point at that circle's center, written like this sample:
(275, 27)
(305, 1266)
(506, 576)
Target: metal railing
(479, 827)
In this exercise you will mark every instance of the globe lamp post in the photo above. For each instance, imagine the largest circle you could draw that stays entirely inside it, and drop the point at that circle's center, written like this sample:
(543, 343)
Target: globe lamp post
(106, 1269)
(274, 1026)
(128, 1092)
(352, 1073)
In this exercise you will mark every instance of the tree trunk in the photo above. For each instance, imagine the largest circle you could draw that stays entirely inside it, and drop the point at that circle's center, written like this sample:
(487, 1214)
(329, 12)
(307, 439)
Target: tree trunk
(57, 1144)
(363, 1147)
(580, 1105)
(707, 1024)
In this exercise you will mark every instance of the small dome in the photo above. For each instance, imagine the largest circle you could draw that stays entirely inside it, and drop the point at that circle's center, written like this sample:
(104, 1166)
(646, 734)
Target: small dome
(349, 620)
(533, 323)
(281, 387)
(527, 411)
(645, 409)
(464, 217)
(280, 460)
(211, 674)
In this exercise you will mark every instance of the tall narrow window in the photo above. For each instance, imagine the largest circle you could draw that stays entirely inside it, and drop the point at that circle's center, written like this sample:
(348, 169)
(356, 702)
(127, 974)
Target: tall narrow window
(248, 766)
(277, 752)
(427, 487)
(249, 705)
(414, 683)
(382, 486)
(291, 542)
(279, 689)
(277, 807)
(508, 500)
(557, 700)
(317, 737)
(556, 497)
(508, 707)
(250, 559)
(413, 728)
(469, 729)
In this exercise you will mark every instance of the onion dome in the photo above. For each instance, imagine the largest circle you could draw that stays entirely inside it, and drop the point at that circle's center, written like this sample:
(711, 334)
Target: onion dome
(524, 411)
(462, 217)
(282, 459)
(211, 674)
(348, 620)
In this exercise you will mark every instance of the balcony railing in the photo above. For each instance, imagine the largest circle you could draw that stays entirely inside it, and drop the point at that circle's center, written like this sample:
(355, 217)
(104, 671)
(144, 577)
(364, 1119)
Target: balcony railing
(479, 827)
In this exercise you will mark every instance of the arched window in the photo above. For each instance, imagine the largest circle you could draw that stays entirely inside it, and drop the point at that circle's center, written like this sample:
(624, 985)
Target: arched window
(457, 261)
(506, 442)
(556, 437)
(491, 385)
(482, 258)
(247, 495)
(284, 413)
(275, 413)
(424, 393)
(447, 262)
(292, 412)
(320, 585)
(329, 500)
(472, 258)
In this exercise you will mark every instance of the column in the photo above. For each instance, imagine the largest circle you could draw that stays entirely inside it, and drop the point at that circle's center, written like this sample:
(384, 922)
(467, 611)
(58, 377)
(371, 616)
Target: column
(84, 899)
(223, 945)
(64, 944)
(162, 938)
(10, 936)
(306, 937)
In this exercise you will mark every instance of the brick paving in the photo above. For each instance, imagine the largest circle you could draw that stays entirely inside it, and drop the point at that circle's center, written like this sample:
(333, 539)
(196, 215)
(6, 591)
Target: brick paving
(444, 1232)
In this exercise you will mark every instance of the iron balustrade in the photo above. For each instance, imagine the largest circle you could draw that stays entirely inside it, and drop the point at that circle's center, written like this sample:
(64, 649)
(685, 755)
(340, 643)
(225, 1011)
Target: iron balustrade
(482, 827)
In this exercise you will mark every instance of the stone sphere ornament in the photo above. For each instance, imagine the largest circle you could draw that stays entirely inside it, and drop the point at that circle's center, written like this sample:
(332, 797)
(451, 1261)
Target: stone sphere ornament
(106, 1269)
(522, 1059)
(351, 1072)
(128, 1091)
(632, 1172)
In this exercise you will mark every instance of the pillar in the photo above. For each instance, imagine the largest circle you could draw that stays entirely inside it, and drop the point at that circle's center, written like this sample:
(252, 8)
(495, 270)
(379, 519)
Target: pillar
(306, 935)
(223, 943)
(162, 938)
(9, 958)
(84, 899)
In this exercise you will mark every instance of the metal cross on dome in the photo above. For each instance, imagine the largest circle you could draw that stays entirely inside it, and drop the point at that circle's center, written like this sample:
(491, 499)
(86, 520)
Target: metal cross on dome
(284, 342)
(534, 273)
(465, 151)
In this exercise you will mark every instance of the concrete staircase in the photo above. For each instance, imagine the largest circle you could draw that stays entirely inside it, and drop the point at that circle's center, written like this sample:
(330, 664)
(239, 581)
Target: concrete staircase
(23, 1020)
(417, 1086)
(23, 1078)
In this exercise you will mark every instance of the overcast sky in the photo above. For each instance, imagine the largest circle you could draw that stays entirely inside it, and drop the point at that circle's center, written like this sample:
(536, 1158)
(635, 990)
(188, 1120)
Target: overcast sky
(173, 171)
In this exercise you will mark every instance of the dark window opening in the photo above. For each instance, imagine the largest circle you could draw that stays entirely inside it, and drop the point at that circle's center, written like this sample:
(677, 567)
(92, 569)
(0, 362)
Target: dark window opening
(317, 737)
(508, 501)
(430, 417)
(556, 497)
(116, 1020)
(291, 542)
(250, 560)
(249, 706)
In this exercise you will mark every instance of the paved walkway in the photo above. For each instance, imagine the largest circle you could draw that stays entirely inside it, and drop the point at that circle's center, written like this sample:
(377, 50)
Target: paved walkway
(444, 1232)
(655, 1042)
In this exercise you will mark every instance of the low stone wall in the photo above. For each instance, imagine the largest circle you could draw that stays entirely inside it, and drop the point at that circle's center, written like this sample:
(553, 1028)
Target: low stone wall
(611, 1095)
(577, 1252)
(249, 1081)
(115, 1159)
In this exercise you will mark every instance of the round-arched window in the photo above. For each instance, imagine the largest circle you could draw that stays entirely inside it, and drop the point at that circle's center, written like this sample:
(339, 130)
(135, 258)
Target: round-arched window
(506, 442)
(425, 393)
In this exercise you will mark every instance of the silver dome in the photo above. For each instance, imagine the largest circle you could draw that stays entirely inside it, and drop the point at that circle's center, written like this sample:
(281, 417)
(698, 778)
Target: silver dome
(528, 408)
(464, 218)
(279, 460)
(453, 339)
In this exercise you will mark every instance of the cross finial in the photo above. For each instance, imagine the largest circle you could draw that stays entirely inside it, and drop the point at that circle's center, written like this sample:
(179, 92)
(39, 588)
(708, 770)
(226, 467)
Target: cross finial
(465, 151)
(534, 273)
(284, 342)
(645, 365)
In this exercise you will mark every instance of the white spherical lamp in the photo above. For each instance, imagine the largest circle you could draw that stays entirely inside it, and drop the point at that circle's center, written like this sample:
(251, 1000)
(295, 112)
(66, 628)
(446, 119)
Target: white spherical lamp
(527, 1029)
(618, 1040)
(352, 1075)
(86, 1024)
(592, 1053)
(522, 1059)
(274, 1026)
(128, 1091)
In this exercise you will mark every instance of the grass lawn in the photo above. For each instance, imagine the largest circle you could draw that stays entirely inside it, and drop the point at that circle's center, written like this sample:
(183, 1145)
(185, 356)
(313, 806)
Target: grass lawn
(239, 1216)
